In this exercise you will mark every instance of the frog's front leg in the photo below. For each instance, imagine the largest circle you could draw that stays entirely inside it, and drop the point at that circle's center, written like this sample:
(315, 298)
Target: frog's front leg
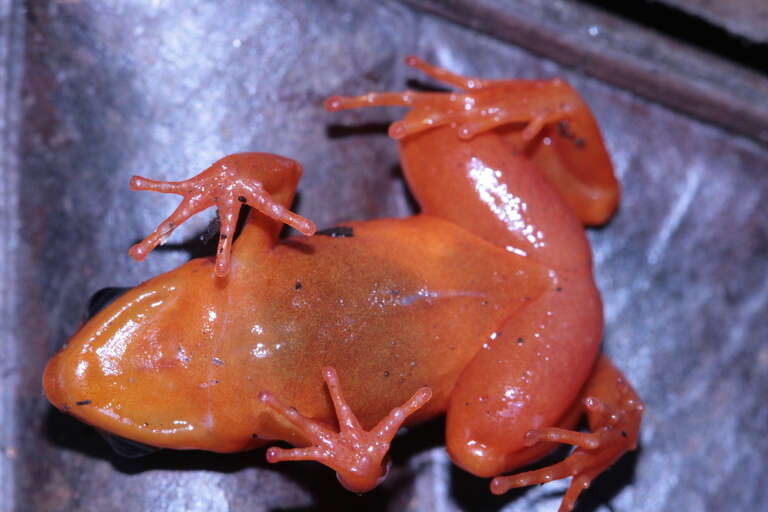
(263, 181)
(614, 412)
(357, 456)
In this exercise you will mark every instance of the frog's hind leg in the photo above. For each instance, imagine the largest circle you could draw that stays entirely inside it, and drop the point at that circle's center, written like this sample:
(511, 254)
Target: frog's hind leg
(546, 120)
(527, 376)
(613, 411)
(357, 456)
(263, 181)
(484, 105)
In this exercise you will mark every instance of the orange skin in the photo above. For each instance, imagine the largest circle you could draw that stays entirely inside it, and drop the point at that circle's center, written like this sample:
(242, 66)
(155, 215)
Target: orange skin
(482, 307)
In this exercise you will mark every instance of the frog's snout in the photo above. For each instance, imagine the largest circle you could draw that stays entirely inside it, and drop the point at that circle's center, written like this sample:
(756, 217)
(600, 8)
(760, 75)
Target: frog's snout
(53, 385)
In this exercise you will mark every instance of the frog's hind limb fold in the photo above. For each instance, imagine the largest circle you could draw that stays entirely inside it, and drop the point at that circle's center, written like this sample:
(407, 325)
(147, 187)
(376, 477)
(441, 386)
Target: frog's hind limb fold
(546, 120)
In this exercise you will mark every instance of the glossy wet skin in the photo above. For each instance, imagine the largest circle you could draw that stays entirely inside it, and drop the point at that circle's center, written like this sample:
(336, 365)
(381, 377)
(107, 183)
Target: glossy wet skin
(486, 300)
(374, 310)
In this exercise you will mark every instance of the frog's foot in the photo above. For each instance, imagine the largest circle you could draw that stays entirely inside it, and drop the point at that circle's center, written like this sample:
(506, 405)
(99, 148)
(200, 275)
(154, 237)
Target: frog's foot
(497, 102)
(614, 432)
(435, 108)
(534, 115)
(483, 106)
(357, 456)
(223, 186)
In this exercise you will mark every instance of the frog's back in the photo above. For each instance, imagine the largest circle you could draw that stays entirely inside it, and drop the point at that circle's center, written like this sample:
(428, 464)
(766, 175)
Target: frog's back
(391, 304)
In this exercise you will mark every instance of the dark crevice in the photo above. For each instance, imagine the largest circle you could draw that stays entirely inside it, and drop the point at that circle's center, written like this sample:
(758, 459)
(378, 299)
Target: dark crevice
(689, 29)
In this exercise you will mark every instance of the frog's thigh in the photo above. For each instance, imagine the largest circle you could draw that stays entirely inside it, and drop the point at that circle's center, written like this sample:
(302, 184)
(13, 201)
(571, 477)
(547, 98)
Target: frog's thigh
(528, 377)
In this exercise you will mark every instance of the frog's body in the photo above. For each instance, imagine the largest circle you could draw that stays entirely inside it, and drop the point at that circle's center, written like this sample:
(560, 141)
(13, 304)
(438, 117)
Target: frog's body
(485, 301)
(375, 310)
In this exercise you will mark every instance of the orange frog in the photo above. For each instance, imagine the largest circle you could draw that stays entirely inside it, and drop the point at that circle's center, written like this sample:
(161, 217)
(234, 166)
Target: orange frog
(482, 307)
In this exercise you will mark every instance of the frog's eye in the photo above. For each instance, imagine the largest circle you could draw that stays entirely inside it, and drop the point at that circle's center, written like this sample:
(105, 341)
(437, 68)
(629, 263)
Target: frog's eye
(104, 298)
(125, 447)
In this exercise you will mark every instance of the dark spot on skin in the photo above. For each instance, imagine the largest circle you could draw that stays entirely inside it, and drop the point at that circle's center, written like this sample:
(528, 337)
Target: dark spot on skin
(254, 436)
(564, 129)
(527, 298)
(394, 292)
(242, 199)
(297, 286)
(558, 289)
(223, 236)
(623, 433)
(520, 341)
(218, 362)
(484, 303)
(386, 373)
(83, 402)
(466, 404)
(171, 224)
(337, 232)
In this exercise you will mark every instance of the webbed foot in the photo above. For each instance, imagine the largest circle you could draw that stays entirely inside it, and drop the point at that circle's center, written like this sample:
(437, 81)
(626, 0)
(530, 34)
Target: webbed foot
(357, 456)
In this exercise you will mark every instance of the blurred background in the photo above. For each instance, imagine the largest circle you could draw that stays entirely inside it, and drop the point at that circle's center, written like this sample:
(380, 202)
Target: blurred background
(93, 91)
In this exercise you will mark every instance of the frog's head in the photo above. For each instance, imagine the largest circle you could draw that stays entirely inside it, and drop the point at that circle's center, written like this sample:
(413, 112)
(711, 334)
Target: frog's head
(130, 370)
